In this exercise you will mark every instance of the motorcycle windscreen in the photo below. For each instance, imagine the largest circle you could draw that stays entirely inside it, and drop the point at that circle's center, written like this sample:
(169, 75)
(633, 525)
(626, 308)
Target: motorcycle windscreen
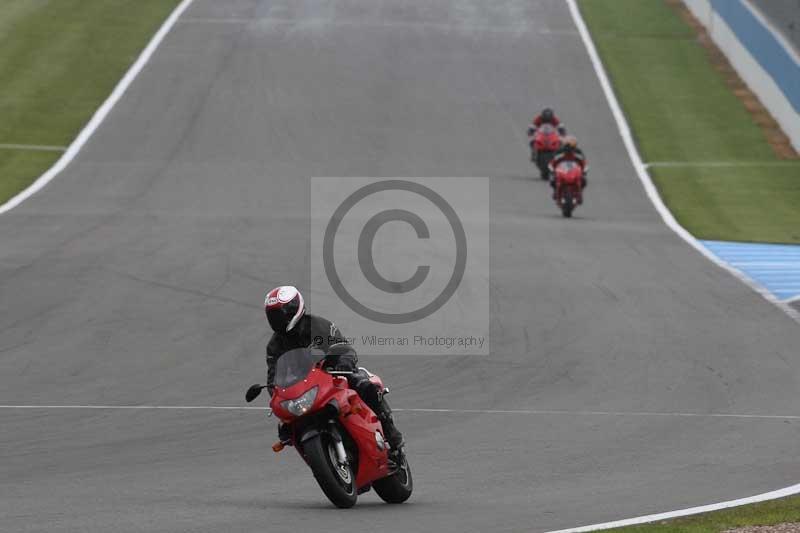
(294, 365)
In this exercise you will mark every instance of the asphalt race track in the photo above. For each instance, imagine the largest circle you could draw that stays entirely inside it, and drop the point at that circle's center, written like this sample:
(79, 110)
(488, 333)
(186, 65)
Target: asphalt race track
(137, 275)
(784, 16)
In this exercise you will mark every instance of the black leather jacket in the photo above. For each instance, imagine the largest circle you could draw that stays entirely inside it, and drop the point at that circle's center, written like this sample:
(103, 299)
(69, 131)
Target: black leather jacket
(310, 331)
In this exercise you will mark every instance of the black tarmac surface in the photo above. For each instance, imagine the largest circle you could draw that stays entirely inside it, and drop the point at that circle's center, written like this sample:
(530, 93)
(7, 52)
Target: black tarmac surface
(136, 277)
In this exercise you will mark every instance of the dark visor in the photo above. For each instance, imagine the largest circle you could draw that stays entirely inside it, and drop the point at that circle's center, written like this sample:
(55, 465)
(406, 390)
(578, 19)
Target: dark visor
(279, 317)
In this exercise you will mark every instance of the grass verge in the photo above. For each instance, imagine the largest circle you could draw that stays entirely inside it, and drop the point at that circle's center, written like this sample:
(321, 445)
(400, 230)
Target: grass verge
(681, 110)
(59, 60)
(785, 510)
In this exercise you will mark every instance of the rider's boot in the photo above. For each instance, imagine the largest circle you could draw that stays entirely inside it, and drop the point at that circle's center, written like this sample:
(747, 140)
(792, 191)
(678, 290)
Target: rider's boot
(583, 186)
(373, 396)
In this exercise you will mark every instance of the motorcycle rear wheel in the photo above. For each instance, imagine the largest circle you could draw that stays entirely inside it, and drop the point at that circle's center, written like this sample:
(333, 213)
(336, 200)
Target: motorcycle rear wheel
(396, 488)
(337, 482)
(542, 160)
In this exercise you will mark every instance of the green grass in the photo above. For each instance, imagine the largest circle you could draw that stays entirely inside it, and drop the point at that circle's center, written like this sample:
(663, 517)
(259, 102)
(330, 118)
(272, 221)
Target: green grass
(59, 60)
(740, 206)
(785, 510)
(680, 109)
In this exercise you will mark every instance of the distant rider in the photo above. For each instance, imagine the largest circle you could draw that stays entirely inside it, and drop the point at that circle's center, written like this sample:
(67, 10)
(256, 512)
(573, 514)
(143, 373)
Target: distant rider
(294, 328)
(569, 152)
(546, 116)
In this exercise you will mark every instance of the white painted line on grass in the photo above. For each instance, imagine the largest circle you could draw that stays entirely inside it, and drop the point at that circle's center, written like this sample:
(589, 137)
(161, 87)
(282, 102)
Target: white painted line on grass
(535, 412)
(780, 493)
(757, 164)
(32, 147)
(101, 112)
(644, 177)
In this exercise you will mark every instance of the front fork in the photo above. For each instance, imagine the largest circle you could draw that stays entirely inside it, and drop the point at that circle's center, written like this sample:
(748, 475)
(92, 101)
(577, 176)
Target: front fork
(341, 454)
(338, 444)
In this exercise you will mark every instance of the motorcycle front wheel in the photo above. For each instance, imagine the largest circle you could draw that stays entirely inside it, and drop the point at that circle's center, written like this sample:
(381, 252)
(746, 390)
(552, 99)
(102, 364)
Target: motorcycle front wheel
(336, 481)
(567, 206)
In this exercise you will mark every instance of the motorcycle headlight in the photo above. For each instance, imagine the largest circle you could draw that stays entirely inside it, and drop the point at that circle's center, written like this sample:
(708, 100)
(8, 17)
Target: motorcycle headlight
(300, 406)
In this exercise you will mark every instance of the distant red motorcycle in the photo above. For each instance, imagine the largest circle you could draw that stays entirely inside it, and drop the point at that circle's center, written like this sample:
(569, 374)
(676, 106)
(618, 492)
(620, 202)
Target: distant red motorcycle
(546, 141)
(568, 186)
(334, 431)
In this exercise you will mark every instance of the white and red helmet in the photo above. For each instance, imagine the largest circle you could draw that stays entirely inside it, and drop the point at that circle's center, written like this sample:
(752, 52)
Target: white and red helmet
(284, 306)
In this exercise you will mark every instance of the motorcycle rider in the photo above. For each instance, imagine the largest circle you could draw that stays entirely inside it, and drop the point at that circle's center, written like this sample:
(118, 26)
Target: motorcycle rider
(294, 328)
(546, 116)
(569, 151)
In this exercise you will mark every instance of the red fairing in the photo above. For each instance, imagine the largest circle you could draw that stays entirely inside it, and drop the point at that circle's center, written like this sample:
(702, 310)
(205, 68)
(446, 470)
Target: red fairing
(569, 156)
(357, 419)
(569, 174)
(546, 139)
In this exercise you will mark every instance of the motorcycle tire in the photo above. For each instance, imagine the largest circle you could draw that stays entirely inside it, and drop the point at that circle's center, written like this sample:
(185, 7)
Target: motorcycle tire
(542, 160)
(337, 482)
(396, 488)
(567, 206)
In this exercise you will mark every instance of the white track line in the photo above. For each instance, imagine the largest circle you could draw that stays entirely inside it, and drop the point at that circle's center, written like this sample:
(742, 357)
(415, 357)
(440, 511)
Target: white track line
(757, 164)
(669, 220)
(558, 412)
(768, 264)
(140, 407)
(644, 177)
(101, 112)
(32, 147)
(545, 412)
(780, 493)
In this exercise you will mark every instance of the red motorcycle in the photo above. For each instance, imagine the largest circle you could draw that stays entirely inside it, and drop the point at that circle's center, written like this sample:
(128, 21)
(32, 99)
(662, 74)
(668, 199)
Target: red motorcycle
(333, 430)
(569, 186)
(546, 141)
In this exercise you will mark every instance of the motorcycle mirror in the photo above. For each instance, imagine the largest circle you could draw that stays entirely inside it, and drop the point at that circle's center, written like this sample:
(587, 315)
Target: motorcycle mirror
(253, 392)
